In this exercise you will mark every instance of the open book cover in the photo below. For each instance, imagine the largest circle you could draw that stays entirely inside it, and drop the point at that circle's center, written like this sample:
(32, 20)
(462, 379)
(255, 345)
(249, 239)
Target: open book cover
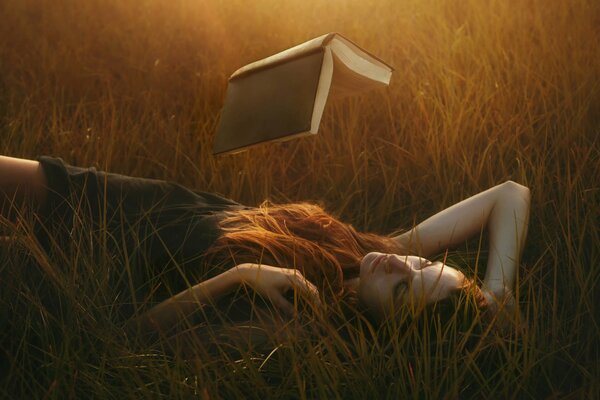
(283, 96)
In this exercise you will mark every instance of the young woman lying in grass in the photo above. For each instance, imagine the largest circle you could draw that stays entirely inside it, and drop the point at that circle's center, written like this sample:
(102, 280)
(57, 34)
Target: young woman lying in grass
(272, 249)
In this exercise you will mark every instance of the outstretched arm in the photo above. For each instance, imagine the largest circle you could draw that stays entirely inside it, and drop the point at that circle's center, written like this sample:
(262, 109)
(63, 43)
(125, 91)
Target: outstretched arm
(270, 282)
(503, 209)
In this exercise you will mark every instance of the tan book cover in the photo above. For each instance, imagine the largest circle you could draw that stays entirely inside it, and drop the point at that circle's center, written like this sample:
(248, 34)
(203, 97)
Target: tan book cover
(283, 96)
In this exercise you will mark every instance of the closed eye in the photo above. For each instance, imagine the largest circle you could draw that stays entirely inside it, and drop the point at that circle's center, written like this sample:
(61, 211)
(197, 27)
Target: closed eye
(400, 290)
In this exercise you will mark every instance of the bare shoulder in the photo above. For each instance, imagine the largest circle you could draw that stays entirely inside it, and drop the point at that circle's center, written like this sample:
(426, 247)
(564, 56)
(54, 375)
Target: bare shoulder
(20, 179)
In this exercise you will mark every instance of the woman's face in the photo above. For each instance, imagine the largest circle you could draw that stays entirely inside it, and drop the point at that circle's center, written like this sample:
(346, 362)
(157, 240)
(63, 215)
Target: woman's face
(390, 280)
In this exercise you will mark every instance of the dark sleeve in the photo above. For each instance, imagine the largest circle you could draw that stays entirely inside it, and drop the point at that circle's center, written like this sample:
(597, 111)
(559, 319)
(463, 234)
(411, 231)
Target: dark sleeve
(154, 219)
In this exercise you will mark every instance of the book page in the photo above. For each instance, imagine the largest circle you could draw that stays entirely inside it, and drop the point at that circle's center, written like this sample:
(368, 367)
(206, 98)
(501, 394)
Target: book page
(347, 81)
(323, 90)
(355, 70)
(339, 42)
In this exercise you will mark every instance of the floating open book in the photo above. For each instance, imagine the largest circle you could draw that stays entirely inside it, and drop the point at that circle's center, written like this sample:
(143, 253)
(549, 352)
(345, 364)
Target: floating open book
(283, 96)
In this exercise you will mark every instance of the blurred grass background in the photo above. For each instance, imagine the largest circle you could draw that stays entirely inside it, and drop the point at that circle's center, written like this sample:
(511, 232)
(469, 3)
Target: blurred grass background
(482, 92)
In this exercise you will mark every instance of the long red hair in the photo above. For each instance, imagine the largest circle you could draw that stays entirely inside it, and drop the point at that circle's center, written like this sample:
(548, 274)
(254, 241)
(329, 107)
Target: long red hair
(301, 236)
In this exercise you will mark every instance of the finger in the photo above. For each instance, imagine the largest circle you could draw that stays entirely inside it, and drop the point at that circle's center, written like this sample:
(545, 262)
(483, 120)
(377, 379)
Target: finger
(284, 305)
(306, 288)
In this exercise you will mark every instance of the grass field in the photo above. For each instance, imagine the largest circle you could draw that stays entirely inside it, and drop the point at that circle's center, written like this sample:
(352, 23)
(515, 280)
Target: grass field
(483, 91)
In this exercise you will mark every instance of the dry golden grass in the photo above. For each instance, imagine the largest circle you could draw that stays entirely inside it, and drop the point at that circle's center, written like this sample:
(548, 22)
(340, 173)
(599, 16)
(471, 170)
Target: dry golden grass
(483, 91)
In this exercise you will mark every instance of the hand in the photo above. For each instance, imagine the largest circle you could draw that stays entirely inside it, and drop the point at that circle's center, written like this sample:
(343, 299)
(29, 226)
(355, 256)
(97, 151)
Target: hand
(504, 305)
(273, 282)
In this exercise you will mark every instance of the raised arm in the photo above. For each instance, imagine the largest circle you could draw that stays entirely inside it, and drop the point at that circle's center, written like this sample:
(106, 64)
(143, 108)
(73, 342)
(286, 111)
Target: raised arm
(503, 209)
(270, 282)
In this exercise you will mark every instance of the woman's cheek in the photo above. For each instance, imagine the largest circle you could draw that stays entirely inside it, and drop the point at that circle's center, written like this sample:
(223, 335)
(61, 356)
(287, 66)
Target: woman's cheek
(373, 290)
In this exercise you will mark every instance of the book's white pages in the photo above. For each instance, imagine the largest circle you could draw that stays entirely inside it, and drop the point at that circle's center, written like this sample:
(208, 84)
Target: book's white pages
(283, 96)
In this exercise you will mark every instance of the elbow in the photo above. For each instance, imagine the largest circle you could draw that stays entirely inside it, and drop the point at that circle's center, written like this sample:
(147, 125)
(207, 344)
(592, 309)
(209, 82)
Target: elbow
(518, 198)
(514, 186)
(514, 190)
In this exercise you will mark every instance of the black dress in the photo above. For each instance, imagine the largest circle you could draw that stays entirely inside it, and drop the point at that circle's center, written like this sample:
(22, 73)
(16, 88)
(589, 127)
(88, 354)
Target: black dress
(150, 222)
